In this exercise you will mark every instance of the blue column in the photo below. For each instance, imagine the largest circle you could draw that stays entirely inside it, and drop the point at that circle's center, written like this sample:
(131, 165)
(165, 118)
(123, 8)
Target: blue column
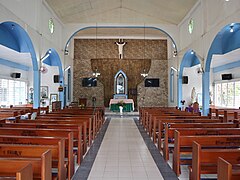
(205, 92)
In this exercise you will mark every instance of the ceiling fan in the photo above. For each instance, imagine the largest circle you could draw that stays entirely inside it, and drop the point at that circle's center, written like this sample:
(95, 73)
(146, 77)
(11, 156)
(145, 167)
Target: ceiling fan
(43, 69)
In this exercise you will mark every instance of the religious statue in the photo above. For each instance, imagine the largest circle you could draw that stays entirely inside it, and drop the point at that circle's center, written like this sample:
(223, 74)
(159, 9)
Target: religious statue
(193, 95)
(120, 48)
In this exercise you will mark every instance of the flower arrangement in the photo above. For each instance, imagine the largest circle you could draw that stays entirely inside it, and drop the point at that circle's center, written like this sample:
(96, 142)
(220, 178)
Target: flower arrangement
(121, 103)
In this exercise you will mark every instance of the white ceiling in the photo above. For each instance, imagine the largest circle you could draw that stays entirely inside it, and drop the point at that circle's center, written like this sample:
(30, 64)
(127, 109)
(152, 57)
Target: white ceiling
(14, 56)
(219, 60)
(121, 11)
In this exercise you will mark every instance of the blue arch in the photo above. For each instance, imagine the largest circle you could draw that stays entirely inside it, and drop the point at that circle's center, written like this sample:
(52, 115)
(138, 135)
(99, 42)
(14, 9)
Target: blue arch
(94, 27)
(13, 36)
(53, 59)
(224, 42)
(190, 59)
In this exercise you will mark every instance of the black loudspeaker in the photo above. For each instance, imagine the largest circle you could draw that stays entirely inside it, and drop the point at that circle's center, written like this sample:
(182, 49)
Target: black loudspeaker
(226, 76)
(16, 75)
(56, 79)
(185, 79)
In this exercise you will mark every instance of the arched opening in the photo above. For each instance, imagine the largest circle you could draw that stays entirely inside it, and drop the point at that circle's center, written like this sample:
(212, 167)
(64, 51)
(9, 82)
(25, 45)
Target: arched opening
(95, 36)
(52, 58)
(226, 41)
(15, 38)
(189, 77)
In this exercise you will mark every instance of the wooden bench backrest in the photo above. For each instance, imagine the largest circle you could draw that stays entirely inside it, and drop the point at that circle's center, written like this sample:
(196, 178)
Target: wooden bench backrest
(34, 151)
(169, 134)
(219, 141)
(226, 171)
(210, 156)
(33, 140)
(42, 166)
(21, 170)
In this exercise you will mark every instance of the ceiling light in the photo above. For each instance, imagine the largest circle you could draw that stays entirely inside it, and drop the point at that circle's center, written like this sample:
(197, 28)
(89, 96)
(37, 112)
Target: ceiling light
(231, 28)
(226, 0)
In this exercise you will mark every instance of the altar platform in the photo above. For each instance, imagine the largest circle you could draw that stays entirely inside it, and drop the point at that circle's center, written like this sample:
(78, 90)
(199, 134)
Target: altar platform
(115, 103)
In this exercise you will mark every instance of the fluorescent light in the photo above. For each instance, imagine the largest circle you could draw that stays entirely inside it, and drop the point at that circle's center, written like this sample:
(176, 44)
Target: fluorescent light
(67, 68)
(45, 57)
(173, 68)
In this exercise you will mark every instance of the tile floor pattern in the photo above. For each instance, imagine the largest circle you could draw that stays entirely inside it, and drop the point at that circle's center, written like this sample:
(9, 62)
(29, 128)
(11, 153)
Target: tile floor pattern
(123, 154)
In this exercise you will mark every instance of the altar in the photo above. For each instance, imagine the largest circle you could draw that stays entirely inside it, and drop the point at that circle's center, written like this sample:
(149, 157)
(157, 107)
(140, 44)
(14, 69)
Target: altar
(115, 103)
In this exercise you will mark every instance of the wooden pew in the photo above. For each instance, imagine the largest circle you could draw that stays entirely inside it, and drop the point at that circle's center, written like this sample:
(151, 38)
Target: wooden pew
(169, 135)
(154, 120)
(10, 169)
(183, 145)
(204, 161)
(42, 166)
(158, 125)
(33, 140)
(80, 136)
(227, 170)
(35, 151)
(46, 133)
(86, 122)
(75, 139)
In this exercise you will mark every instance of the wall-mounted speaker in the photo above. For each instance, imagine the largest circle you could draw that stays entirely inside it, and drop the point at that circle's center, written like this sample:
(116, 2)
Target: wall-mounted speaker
(56, 79)
(16, 75)
(185, 80)
(226, 76)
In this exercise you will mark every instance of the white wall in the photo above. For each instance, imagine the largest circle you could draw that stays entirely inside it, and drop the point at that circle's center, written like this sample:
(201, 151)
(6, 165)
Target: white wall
(210, 17)
(194, 80)
(47, 80)
(33, 16)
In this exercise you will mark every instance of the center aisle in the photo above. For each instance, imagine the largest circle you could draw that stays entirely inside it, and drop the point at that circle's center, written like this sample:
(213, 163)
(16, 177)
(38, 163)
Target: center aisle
(123, 154)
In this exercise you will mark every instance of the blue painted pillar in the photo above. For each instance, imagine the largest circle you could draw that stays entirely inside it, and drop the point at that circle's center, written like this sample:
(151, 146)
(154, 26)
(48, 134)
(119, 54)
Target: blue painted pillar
(205, 93)
(61, 78)
(179, 92)
(36, 87)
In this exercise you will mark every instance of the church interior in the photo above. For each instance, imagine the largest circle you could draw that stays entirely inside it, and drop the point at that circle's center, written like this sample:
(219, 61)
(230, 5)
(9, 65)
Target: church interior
(119, 89)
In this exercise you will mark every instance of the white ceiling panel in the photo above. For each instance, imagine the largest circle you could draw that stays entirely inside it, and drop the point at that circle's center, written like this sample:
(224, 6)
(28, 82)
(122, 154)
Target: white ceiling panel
(14, 56)
(219, 60)
(121, 11)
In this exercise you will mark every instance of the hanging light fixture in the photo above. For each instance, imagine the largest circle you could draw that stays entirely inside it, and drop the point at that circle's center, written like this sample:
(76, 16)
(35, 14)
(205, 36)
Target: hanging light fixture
(96, 73)
(144, 74)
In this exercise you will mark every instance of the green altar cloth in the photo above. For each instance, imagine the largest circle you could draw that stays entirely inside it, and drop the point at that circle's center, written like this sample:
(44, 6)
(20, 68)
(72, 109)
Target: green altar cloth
(126, 108)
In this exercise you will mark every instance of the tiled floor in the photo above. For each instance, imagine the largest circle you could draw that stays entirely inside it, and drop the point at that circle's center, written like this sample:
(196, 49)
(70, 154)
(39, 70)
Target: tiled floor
(123, 154)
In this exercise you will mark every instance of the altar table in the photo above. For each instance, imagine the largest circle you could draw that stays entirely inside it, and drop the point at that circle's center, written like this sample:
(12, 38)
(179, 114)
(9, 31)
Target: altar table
(128, 105)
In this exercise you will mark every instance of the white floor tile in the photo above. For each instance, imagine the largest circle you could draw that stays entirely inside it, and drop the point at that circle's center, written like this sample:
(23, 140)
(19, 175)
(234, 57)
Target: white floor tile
(123, 154)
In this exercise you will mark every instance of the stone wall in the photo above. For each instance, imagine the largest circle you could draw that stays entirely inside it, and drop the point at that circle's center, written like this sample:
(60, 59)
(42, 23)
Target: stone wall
(86, 50)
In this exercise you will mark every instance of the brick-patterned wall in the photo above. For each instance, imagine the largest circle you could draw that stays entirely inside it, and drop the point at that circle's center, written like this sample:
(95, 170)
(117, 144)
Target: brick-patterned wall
(156, 50)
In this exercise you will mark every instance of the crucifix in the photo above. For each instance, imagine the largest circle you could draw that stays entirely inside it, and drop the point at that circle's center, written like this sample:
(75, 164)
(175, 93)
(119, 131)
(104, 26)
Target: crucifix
(120, 44)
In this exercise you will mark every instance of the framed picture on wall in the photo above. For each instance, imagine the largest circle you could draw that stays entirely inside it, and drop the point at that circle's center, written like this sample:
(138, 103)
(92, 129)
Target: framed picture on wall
(53, 98)
(44, 92)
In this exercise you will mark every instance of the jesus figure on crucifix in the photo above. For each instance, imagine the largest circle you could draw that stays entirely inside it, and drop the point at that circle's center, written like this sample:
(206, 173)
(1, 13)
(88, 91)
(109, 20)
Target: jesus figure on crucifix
(120, 48)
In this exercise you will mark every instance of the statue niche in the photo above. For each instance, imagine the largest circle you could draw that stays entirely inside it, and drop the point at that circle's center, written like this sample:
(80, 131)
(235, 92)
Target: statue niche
(120, 85)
